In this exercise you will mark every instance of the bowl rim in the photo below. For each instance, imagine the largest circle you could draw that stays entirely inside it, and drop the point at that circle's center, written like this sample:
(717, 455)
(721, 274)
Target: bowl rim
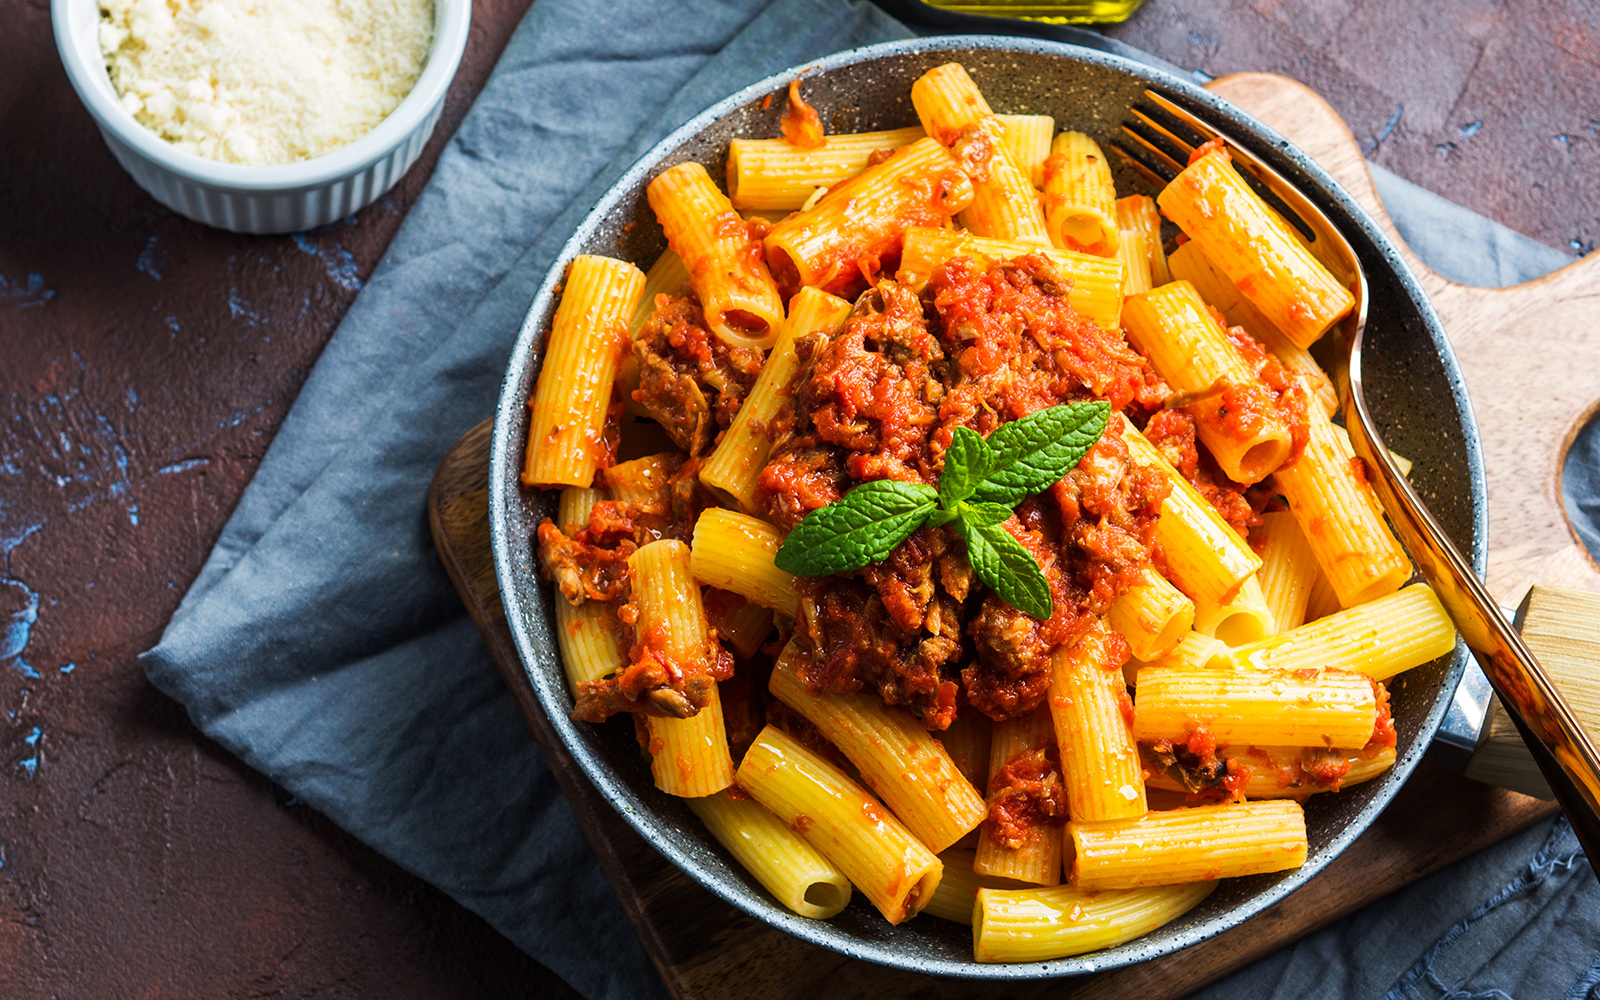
(504, 492)
(452, 21)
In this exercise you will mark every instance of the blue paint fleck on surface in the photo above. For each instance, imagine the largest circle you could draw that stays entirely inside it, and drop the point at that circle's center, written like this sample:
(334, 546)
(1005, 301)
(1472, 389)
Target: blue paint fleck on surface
(132, 396)
(339, 263)
(241, 309)
(1564, 139)
(153, 258)
(34, 735)
(173, 324)
(30, 767)
(68, 668)
(27, 292)
(19, 605)
(183, 466)
(1470, 129)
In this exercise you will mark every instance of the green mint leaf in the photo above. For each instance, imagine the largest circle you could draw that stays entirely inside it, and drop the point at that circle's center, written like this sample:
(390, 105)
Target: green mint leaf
(939, 517)
(1009, 569)
(1032, 454)
(863, 527)
(984, 514)
(966, 462)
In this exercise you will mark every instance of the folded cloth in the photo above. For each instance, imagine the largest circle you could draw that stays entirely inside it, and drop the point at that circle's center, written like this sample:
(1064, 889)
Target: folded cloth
(322, 642)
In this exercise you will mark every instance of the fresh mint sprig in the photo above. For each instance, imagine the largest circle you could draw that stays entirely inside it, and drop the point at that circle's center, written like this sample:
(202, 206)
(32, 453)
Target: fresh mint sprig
(981, 483)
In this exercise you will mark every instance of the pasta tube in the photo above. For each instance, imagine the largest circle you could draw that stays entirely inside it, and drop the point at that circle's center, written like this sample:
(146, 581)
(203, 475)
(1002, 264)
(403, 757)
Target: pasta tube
(566, 429)
(953, 111)
(1327, 489)
(1080, 202)
(739, 457)
(1189, 845)
(766, 175)
(735, 552)
(849, 827)
(1152, 615)
(844, 239)
(1379, 639)
(1206, 558)
(1033, 925)
(725, 267)
(688, 757)
(1020, 750)
(1139, 211)
(1329, 708)
(1096, 291)
(1245, 618)
(1235, 413)
(897, 758)
(667, 276)
(785, 865)
(967, 742)
(589, 635)
(1288, 569)
(1088, 703)
(1189, 263)
(1254, 247)
(1028, 137)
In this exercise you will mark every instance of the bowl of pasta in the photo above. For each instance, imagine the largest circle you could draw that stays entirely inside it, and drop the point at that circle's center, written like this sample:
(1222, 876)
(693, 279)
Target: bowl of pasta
(931, 534)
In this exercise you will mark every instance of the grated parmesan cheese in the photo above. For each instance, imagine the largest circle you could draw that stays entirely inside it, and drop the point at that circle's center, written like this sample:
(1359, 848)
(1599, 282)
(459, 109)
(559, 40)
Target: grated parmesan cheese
(263, 81)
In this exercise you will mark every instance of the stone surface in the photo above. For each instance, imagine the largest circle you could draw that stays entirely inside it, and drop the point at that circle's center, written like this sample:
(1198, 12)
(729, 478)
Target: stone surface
(145, 362)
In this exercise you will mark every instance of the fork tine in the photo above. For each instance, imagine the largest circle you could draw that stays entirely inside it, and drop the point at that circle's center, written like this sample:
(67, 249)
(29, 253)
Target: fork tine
(1179, 120)
(1156, 177)
(1169, 158)
(1184, 146)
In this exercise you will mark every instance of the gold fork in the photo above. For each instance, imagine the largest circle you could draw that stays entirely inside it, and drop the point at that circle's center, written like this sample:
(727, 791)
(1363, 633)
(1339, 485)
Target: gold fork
(1157, 141)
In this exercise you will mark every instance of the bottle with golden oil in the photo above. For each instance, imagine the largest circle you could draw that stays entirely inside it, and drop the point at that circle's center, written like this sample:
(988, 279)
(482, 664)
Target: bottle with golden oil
(1057, 12)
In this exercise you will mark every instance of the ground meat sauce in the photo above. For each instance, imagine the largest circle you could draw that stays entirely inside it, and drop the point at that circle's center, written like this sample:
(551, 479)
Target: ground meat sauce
(690, 381)
(1025, 792)
(881, 399)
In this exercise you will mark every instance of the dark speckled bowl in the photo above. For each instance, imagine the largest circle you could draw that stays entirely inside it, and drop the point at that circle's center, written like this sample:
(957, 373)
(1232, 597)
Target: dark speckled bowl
(1415, 389)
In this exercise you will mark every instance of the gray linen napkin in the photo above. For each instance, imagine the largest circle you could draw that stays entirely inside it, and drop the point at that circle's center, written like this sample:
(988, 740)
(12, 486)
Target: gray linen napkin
(322, 642)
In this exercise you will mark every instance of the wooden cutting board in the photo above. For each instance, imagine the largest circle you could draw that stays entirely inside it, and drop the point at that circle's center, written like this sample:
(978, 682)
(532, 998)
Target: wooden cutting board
(707, 950)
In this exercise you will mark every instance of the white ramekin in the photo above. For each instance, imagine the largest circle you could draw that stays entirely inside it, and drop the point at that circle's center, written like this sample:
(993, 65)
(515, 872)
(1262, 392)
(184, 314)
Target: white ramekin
(277, 199)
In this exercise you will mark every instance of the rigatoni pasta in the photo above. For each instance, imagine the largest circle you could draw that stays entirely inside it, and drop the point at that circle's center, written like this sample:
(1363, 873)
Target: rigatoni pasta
(1189, 845)
(1080, 202)
(789, 868)
(897, 758)
(919, 703)
(727, 273)
(1255, 248)
(566, 430)
(775, 175)
(837, 817)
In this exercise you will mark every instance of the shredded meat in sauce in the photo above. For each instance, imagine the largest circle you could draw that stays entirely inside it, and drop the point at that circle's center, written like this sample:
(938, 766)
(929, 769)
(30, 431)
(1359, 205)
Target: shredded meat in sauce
(881, 399)
(1024, 793)
(690, 381)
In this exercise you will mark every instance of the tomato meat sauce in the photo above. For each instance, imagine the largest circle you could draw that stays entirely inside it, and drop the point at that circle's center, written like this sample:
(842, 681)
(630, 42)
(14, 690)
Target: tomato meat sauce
(881, 399)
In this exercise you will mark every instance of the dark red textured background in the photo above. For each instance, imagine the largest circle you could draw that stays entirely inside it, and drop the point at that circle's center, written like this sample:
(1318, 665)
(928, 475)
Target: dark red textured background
(145, 363)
